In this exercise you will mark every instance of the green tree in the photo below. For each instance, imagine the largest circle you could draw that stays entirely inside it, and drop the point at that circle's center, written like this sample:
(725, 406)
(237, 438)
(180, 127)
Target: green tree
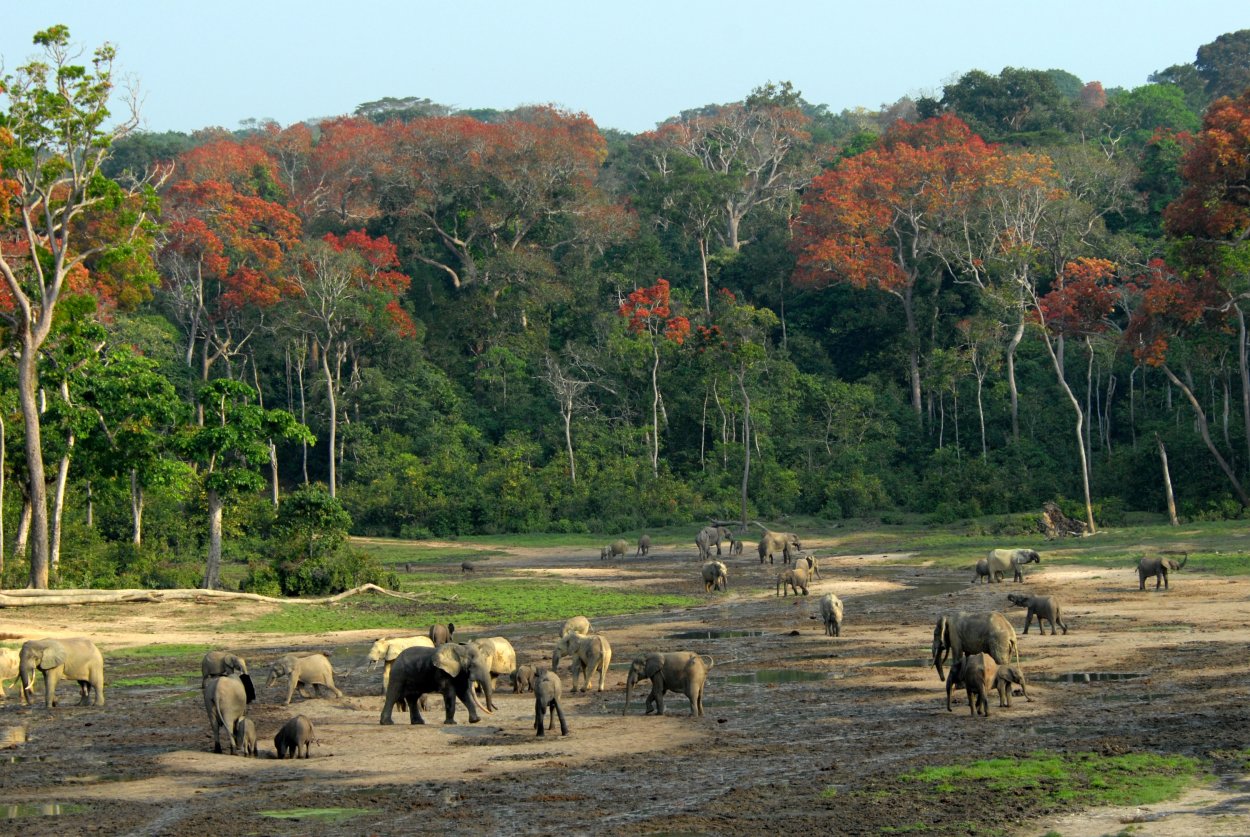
(1224, 64)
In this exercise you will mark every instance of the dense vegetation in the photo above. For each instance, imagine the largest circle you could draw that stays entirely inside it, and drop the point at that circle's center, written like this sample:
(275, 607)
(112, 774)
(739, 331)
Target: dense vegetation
(436, 322)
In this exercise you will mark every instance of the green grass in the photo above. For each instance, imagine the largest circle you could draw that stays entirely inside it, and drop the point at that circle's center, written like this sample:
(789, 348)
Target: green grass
(390, 552)
(150, 680)
(475, 602)
(160, 650)
(324, 815)
(1080, 778)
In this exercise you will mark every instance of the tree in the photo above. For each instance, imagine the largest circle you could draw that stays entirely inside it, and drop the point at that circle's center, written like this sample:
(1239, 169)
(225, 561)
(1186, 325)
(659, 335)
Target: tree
(1015, 102)
(649, 311)
(228, 449)
(54, 138)
(1224, 64)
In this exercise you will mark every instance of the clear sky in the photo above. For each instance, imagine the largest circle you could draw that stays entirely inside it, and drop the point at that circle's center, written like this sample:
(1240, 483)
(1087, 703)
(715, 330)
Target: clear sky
(628, 64)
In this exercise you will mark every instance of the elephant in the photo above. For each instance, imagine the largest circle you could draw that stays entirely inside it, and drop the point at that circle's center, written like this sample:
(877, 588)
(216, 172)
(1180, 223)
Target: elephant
(491, 657)
(708, 537)
(220, 663)
(831, 614)
(576, 625)
(794, 579)
(589, 653)
(245, 736)
(417, 672)
(225, 701)
(466, 567)
(715, 576)
(735, 545)
(523, 679)
(976, 673)
(385, 650)
(1158, 567)
(956, 635)
(312, 670)
(1001, 560)
(1003, 680)
(644, 546)
(547, 689)
(603, 554)
(441, 633)
(809, 562)
(772, 544)
(9, 666)
(296, 734)
(76, 658)
(617, 547)
(675, 671)
(1043, 607)
(982, 572)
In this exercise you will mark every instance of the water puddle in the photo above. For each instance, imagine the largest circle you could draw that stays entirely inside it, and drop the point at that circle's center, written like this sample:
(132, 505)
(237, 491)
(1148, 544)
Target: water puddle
(1090, 676)
(777, 676)
(39, 809)
(713, 634)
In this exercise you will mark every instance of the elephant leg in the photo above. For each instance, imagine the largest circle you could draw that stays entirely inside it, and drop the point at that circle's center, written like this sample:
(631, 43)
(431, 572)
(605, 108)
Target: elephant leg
(414, 709)
(559, 710)
(465, 693)
(50, 680)
(290, 691)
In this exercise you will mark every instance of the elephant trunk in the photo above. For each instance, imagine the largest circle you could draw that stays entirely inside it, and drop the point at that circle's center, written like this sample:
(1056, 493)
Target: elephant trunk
(629, 686)
(1184, 559)
(28, 682)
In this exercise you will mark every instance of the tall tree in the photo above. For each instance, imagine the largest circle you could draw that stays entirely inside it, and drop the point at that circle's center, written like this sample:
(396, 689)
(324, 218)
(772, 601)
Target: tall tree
(55, 135)
(1224, 64)
(649, 312)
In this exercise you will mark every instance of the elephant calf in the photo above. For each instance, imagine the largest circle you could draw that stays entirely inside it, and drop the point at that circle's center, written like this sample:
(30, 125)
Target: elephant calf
(676, 671)
(313, 670)
(1043, 607)
(831, 614)
(792, 580)
(547, 699)
(523, 679)
(982, 572)
(1003, 680)
(644, 546)
(1157, 567)
(295, 735)
(245, 736)
(715, 576)
(977, 673)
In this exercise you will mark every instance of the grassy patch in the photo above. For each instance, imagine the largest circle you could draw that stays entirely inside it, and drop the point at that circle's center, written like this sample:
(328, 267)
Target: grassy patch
(324, 815)
(391, 552)
(1080, 778)
(160, 650)
(150, 680)
(478, 602)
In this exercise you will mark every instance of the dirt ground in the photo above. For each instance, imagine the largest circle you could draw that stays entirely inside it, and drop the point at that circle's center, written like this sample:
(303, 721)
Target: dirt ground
(790, 713)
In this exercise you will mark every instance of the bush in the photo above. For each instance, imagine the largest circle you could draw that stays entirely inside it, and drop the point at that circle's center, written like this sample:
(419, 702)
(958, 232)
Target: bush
(329, 574)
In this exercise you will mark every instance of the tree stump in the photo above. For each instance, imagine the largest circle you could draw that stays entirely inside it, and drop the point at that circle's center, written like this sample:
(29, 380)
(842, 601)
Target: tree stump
(1056, 524)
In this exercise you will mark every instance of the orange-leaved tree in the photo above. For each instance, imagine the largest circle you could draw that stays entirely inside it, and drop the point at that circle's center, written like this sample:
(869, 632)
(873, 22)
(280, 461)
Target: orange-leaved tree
(649, 312)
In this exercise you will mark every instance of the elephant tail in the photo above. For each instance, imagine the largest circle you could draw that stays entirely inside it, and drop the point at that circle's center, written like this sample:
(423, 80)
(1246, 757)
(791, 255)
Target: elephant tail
(708, 662)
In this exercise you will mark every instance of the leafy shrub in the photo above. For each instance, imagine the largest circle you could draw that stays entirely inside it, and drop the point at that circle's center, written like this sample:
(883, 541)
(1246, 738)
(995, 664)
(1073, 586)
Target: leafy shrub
(329, 574)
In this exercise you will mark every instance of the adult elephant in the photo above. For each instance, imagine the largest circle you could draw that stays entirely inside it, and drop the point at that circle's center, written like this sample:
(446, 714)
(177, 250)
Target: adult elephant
(589, 653)
(224, 664)
(491, 658)
(960, 634)
(417, 671)
(708, 537)
(386, 649)
(225, 701)
(76, 658)
(676, 671)
(1000, 561)
(1157, 567)
(773, 544)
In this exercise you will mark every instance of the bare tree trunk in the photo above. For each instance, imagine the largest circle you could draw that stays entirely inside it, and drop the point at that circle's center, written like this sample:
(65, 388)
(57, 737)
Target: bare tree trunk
(332, 397)
(746, 442)
(1012, 345)
(273, 449)
(1167, 482)
(23, 530)
(37, 489)
(58, 510)
(136, 509)
(655, 409)
(913, 355)
(1056, 359)
(212, 567)
(985, 451)
(566, 412)
(707, 287)
(703, 435)
(1205, 432)
(303, 408)
(1243, 366)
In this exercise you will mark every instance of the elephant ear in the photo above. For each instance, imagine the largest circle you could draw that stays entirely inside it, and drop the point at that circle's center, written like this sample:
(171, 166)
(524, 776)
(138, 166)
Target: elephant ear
(54, 655)
(392, 651)
(655, 662)
(248, 687)
(449, 658)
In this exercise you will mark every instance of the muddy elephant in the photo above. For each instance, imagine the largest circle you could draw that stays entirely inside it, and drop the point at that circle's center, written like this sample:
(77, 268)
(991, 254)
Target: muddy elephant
(547, 689)
(808, 562)
(590, 654)
(1043, 607)
(439, 634)
(1003, 681)
(295, 736)
(617, 548)
(982, 572)
(311, 670)
(976, 674)
(245, 737)
(772, 544)
(831, 614)
(576, 625)
(76, 658)
(959, 634)
(675, 671)
(386, 649)
(416, 672)
(9, 667)
(715, 577)
(491, 657)
(708, 537)
(644, 546)
(523, 679)
(794, 579)
(225, 701)
(1002, 560)
(1157, 567)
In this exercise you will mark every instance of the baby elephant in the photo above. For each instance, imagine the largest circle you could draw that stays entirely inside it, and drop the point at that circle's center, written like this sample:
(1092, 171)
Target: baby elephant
(983, 572)
(245, 736)
(831, 614)
(792, 580)
(295, 733)
(1003, 681)
(977, 675)
(547, 699)
(313, 670)
(1043, 607)
(523, 679)
(715, 576)
(675, 671)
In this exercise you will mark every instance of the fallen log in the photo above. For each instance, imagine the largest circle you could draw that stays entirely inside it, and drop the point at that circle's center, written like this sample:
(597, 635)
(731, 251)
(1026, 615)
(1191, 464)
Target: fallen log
(36, 598)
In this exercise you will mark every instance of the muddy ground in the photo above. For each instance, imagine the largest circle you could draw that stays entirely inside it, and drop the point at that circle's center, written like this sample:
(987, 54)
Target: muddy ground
(790, 713)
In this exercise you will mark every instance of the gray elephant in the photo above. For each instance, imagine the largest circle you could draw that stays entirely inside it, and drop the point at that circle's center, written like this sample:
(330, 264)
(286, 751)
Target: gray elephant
(831, 614)
(794, 579)
(1003, 681)
(311, 670)
(245, 736)
(708, 537)
(386, 649)
(618, 547)
(221, 663)
(982, 572)
(523, 679)
(1043, 607)
(295, 736)
(772, 544)
(960, 634)
(416, 672)
(9, 667)
(1157, 567)
(715, 577)
(76, 658)
(576, 625)
(225, 701)
(1002, 560)
(644, 546)
(976, 673)
(808, 562)
(735, 545)
(547, 689)
(441, 633)
(490, 658)
(590, 654)
(675, 671)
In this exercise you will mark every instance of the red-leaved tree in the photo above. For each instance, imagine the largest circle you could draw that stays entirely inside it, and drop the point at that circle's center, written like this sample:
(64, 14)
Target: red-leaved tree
(649, 313)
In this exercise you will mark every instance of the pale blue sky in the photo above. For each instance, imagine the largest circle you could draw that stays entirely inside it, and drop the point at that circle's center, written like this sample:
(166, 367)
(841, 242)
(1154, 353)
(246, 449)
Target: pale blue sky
(628, 64)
